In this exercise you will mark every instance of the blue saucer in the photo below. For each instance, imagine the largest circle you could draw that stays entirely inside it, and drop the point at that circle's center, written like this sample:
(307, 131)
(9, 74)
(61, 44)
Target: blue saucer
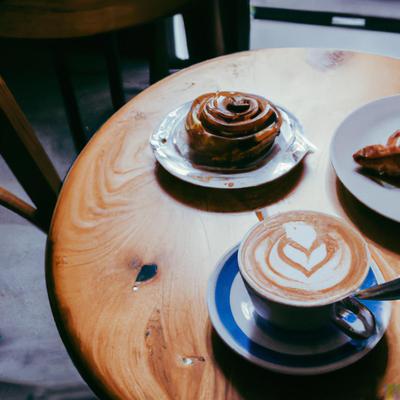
(299, 353)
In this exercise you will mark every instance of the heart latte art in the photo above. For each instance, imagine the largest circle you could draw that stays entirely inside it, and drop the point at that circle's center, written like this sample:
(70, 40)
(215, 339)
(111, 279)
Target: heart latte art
(304, 257)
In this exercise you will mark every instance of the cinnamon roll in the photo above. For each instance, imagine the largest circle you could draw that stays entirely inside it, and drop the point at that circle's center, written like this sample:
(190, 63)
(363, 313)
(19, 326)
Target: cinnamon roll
(383, 159)
(231, 129)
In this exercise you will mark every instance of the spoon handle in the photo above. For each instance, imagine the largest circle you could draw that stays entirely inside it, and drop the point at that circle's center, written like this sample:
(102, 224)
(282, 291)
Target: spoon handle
(385, 291)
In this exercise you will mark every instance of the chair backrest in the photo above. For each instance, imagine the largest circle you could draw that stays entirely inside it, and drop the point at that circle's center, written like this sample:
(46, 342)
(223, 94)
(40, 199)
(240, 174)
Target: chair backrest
(40, 19)
(28, 161)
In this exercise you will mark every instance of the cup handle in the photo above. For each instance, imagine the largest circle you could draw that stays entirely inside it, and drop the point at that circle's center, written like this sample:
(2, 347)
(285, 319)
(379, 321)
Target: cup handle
(353, 318)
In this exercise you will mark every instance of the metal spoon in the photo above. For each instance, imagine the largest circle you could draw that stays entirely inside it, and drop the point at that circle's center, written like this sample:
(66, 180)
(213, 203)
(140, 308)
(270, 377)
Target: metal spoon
(385, 291)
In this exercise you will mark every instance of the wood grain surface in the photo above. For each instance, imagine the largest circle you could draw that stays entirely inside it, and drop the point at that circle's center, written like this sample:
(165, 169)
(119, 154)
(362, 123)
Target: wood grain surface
(40, 19)
(118, 210)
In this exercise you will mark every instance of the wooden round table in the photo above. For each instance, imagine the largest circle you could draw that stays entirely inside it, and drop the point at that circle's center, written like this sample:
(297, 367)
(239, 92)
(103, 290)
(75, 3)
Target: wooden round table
(119, 210)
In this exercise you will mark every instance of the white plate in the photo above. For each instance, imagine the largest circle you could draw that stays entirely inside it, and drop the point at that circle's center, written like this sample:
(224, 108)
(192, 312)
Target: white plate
(169, 144)
(370, 124)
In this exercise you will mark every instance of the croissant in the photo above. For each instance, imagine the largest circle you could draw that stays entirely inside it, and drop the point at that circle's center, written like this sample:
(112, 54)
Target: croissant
(231, 129)
(384, 159)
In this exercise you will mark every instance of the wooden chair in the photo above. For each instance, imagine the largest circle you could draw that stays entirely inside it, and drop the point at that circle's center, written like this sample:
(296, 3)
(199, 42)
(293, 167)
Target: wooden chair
(28, 161)
(213, 28)
(59, 22)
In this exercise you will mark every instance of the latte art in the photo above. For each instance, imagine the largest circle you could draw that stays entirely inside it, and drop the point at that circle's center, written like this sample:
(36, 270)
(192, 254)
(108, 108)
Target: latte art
(304, 257)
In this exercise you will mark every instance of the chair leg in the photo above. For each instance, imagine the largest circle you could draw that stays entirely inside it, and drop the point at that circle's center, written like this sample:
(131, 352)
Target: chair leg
(203, 30)
(235, 23)
(28, 161)
(68, 95)
(25, 210)
(114, 70)
(162, 46)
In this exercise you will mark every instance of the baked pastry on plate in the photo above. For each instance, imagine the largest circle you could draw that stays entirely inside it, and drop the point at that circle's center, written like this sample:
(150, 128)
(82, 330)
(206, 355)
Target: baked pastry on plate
(231, 129)
(383, 159)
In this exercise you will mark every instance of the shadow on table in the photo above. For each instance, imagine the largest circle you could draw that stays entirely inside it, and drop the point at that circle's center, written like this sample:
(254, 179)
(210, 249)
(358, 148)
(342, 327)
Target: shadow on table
(357, 381)
(228, 200)
(374, 226)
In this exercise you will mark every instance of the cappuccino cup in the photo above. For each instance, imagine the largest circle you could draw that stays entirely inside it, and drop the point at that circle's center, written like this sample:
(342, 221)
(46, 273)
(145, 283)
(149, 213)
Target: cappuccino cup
(300, 269)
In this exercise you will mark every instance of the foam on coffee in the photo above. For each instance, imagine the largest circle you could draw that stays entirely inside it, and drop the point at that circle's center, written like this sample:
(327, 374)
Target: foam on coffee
(304, 257)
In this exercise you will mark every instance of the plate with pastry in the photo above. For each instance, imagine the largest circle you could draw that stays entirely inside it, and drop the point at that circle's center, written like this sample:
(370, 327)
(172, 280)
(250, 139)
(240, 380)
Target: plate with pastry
(229, 140)
(365, 153)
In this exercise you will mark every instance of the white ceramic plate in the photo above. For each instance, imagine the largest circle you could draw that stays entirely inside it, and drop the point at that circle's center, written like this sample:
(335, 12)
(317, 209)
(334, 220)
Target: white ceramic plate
(370, 124)
(170, 147)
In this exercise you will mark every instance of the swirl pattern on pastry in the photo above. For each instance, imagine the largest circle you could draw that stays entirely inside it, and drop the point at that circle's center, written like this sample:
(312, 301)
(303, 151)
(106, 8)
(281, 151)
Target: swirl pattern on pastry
(231, 129)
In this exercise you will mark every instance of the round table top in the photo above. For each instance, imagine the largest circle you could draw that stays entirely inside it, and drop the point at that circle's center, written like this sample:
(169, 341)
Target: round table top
(118, 209)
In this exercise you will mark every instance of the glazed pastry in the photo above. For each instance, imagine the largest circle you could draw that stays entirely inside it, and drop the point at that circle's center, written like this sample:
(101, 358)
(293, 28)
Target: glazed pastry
(231, 129)
(384, 159)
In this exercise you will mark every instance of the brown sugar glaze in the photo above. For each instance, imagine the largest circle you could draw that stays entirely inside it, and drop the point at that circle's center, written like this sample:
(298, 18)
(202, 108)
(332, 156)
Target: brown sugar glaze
(231, 129)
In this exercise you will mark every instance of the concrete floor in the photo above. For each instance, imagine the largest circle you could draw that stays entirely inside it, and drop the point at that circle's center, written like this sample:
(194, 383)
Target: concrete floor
(33, 361)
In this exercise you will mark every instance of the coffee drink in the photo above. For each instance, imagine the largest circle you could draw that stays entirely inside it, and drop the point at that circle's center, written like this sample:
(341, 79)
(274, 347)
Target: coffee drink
(303, 258)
